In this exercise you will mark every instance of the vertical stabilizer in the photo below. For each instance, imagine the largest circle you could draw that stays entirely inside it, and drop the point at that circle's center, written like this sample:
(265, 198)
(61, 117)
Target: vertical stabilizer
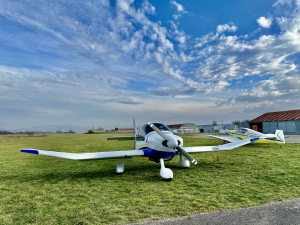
(280, 136)
(134, 127)
(134, 132)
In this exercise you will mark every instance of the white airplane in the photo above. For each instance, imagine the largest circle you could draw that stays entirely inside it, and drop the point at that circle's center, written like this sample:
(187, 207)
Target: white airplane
(152, 140)
(246, 133)
(179, 131)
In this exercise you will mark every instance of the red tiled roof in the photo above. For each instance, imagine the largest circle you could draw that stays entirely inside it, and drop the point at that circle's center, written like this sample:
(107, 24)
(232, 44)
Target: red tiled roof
(176, 126)
(125, 129)
(278, 116)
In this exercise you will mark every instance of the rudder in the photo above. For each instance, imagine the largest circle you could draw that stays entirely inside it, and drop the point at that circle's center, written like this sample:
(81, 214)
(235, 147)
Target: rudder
(279, 134)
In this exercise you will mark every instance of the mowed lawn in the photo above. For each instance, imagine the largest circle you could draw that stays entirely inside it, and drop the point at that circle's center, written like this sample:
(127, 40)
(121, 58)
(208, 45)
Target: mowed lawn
(44, 190)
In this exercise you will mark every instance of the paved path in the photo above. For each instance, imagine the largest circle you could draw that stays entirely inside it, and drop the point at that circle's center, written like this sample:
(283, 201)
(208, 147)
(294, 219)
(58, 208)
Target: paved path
(279, 213)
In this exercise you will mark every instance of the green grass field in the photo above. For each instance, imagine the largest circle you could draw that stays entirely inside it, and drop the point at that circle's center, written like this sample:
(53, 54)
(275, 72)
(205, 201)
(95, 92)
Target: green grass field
(44, 190)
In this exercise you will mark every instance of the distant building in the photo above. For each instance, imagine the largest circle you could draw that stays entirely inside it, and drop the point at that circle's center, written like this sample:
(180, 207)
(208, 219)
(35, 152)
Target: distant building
(207, 128)
(190, 128)
(70, 132)
(129, 130)
(217, 128)
(81, 132)
(86, 131)
(288, 121)
(244, 125)
(175, 126)
(229, 126)
(185, 128)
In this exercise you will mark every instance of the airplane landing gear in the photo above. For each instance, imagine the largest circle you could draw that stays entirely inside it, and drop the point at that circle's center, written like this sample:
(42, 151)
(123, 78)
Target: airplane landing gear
(120, 167)
(184, 162)
(165, 173)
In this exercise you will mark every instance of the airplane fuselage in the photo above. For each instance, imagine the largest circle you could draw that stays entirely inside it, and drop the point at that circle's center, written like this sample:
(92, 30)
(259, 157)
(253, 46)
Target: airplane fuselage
(246, 133)
(155, 147)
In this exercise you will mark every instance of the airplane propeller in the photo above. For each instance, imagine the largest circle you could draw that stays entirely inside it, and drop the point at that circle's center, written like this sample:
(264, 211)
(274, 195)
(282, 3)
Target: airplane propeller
(172, 143)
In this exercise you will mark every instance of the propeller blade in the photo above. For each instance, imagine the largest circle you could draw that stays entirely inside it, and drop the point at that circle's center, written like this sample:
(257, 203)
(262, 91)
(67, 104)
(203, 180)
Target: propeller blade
(158, 131)
(186, 155)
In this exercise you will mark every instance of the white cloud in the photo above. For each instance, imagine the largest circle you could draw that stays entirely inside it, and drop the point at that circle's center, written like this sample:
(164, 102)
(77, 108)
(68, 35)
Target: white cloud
(147, 7)
(179, 8)
(282, 2)
(173, 25)
(234, 58)
(124, 5)
(81, 88)
(190, 87)
(280, 91)
(264, 22)
(226, 27)
(210, 37)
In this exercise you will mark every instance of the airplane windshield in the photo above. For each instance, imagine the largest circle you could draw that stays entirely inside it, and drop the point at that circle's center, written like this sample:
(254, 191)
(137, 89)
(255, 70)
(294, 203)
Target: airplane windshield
(147, 129)
(239, 130)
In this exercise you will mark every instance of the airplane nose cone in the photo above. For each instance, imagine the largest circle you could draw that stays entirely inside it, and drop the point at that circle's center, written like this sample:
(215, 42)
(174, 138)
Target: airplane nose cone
(172, 143)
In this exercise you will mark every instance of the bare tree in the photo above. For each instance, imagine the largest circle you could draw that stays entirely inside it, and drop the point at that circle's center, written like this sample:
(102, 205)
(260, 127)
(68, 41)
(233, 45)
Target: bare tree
(100, 128)
(214, 123)
(245, 121)
(59, 131)
(236, 122)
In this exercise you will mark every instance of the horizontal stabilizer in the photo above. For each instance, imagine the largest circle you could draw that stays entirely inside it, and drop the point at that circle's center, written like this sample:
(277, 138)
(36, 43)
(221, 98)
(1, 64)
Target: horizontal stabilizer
(225, 147)
(86, 156)
(124, 138)
(230, 139)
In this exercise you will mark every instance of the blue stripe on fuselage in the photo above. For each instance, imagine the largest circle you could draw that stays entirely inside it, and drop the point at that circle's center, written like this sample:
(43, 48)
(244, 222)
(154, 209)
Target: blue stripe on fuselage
(152, 153)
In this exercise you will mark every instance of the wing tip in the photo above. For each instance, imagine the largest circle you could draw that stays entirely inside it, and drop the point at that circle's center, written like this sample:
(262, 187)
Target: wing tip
(30, 151)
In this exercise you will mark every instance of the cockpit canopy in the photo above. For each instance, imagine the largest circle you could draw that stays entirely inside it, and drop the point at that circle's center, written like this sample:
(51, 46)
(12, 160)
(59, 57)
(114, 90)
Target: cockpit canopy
(145, 129)
(241, 130)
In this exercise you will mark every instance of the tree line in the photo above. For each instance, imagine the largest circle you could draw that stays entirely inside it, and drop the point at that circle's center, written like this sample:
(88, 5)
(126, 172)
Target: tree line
(235, 122)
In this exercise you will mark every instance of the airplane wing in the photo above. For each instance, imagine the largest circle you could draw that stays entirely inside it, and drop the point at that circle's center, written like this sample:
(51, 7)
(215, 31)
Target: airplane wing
(230, 139)
(86, 156)
(225, 147)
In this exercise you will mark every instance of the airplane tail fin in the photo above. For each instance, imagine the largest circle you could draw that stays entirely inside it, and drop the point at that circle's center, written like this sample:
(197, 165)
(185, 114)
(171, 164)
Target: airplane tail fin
(279, 134)
(134, 132)
(134, 127)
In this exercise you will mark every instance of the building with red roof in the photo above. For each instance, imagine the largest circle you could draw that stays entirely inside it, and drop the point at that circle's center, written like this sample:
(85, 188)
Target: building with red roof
(288, 121)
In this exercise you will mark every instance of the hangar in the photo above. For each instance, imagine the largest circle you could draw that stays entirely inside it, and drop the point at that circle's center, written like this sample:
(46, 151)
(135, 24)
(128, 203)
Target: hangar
(186, 127)
(288, 121)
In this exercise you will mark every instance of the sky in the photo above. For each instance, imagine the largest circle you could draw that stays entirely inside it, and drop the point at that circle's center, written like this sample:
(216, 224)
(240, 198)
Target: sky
(103, 63)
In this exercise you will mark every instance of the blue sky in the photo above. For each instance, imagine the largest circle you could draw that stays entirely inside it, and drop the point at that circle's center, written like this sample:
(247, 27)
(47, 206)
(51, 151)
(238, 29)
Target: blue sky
(102, 63)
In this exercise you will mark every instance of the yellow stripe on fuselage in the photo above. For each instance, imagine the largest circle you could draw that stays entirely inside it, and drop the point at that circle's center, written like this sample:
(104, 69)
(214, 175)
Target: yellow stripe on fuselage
(144, 145)
(259, 141)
